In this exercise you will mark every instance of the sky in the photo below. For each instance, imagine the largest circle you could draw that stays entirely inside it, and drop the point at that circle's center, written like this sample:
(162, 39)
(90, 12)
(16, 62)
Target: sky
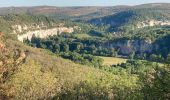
(7, 3)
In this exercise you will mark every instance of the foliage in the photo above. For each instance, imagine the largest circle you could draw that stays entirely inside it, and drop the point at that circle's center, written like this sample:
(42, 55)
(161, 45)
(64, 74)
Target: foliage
(78, 50)
(35, 73)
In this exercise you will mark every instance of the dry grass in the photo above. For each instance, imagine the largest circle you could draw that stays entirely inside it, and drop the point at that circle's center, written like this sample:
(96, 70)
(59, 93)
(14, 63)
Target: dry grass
(44, 74)
(113, 60)
(81, 36)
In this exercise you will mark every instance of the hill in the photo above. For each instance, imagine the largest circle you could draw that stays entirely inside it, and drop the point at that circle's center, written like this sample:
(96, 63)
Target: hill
(31, 73)
(56, 65)
(134, 18)
(64, 12)
(12, 21)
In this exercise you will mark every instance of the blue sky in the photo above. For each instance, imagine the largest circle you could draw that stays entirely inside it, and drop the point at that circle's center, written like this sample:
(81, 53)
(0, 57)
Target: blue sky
(5, 3)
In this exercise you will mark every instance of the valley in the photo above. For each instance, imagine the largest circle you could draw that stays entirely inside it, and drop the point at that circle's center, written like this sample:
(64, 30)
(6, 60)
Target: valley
(85, 53)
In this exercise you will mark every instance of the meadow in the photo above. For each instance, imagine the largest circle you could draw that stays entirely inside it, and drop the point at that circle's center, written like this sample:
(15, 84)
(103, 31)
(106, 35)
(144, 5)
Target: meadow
(112, 60)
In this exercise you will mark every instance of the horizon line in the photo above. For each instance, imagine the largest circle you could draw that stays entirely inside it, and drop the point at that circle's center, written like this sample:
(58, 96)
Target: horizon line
(131, 5)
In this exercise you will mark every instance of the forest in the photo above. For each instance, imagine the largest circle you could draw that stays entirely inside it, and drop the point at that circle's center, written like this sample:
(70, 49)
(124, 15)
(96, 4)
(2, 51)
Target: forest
(71, 66)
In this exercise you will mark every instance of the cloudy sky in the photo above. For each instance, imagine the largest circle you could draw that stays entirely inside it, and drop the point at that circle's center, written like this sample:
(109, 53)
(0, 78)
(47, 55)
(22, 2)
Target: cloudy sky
(5, 3)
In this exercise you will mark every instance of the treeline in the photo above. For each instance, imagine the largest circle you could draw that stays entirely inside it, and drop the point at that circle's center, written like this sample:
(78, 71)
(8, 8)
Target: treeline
(85, 49)
(161, 51)
(82, 51)
(129, 18)
(141, 79)
(63, 80)
(7, 21)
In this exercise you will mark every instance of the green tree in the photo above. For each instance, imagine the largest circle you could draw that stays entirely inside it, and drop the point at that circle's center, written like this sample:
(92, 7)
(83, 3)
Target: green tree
(56, 48)
(65, 47)
(131, 56)
(168, 58)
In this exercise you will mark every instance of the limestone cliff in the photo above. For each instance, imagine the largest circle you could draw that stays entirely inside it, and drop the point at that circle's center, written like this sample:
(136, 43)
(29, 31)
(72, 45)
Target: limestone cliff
(126, 47)
(45, 33)
(21, 28)
(148, 23)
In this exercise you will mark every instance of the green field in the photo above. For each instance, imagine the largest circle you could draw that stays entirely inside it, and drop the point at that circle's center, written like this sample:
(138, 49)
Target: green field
(81, 36)
(113, 60)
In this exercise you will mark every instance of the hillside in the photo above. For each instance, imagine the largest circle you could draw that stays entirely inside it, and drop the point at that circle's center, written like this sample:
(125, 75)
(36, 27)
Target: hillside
(85, 53)
(26, 26)
(134, 18)
(14, 21)
(33, 73)
(64, 12)
(137, 29)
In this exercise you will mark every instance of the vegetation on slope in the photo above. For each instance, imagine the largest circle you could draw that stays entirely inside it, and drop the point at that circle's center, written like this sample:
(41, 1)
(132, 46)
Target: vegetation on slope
(37, 74)
(7, 21)
(34, 73)
(127, 20)
(145, 75)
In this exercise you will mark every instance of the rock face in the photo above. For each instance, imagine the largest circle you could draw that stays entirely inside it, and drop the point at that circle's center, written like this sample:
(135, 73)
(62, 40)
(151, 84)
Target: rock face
(148, 23)
(20, 28)
(126, 47)
(44, 33)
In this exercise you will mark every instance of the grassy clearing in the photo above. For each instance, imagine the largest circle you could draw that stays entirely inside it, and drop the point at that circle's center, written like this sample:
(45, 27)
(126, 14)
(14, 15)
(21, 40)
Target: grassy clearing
(113, 60)
(82, 36)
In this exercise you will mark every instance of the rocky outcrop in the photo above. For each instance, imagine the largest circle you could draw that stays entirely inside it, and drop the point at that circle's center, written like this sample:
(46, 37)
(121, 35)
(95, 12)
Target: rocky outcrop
(21, 58)
(20, 28)
(45, 33)
(126, 47)
(148, 23)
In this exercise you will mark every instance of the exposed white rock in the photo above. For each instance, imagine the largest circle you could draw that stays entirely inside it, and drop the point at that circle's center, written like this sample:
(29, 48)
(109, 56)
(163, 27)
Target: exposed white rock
(44, 33)
(25, 27)
(127, 47)
(148, 23)
(20, 28)
(17, 28)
